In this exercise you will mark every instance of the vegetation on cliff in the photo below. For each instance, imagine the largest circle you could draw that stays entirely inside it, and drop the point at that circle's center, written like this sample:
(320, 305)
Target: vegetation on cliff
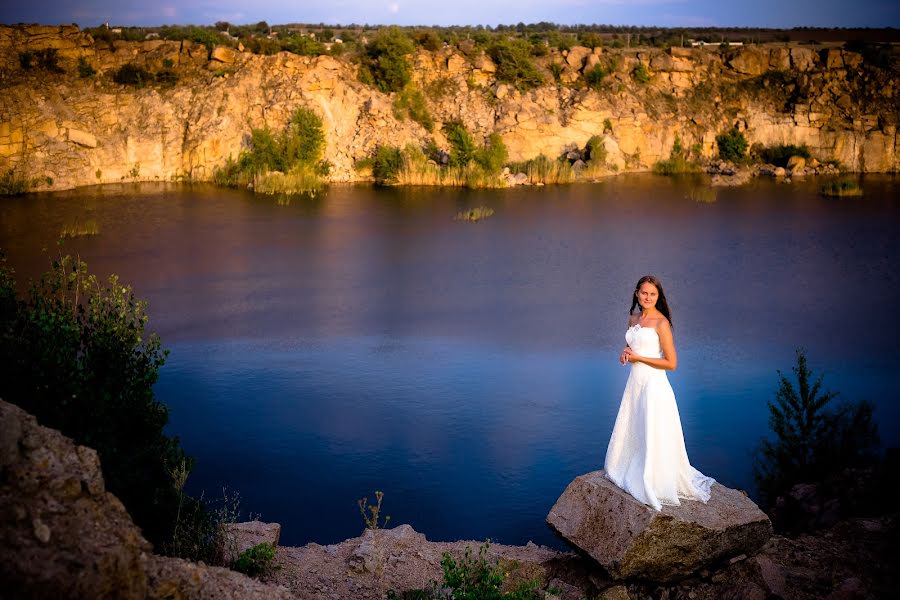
(287, 163)
(74, 352)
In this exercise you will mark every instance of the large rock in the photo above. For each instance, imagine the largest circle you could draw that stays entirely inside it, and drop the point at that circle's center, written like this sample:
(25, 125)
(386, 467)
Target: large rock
(61, 533)
(243, 536)
(631, 540)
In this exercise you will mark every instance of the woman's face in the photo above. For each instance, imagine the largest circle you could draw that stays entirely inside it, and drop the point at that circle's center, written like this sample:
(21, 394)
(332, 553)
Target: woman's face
(647, 295)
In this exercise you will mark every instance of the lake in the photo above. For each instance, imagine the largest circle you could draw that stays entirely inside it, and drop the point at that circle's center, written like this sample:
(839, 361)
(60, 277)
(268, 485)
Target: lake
(364, 339)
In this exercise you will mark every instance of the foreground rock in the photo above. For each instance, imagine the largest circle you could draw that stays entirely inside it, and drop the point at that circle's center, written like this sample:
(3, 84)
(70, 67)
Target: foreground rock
(62, 535)
(631, 540)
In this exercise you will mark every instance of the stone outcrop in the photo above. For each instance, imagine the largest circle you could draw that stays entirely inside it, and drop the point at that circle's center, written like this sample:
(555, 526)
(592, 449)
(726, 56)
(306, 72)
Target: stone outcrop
(633, 541)
(62, 535)
(239, 537)
(65, 131)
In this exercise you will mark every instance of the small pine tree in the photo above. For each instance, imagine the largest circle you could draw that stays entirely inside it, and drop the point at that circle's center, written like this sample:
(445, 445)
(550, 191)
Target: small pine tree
(811, 442)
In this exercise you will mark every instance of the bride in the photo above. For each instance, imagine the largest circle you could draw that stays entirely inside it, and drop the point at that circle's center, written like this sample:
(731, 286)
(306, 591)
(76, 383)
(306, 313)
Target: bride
(646, 456)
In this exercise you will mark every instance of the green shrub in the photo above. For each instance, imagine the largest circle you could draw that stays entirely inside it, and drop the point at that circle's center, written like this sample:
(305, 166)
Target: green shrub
(779, 155)
(13, 183)
(74, 353)
(596, 149)
(131, 74)
(641, 74)
(85, 69)
(811, 440)
(732, 145)
(385, 64)
(462, 146)
(514, 64)
(594, 77)
(474, 579)
(411, 102)
(386, 164)
(45, 58)
(493, 155)
(256, 561)
(296, 154)
(304, 141)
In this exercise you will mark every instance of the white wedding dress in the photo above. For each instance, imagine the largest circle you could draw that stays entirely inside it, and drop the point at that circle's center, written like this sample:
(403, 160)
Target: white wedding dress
(646, 456)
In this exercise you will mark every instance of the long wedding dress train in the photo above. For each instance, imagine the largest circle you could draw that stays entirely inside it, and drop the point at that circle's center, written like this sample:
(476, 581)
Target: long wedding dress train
(646, 456)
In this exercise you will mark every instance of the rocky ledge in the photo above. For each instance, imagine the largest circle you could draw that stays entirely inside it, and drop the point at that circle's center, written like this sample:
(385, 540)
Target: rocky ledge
(63, 535)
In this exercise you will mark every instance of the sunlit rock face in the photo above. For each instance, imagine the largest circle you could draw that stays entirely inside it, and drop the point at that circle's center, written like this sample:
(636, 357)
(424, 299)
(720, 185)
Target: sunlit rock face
(62, 130)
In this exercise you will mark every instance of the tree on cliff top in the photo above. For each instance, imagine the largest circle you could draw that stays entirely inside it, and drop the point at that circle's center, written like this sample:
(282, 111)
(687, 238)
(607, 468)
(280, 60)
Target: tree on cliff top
(384, 64)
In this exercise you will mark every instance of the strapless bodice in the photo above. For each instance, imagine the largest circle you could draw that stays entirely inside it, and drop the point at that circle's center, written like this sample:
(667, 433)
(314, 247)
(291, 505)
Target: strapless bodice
(644, 341)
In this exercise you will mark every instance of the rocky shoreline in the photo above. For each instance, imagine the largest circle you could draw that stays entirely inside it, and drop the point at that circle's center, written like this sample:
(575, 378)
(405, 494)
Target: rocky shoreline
(62, 534)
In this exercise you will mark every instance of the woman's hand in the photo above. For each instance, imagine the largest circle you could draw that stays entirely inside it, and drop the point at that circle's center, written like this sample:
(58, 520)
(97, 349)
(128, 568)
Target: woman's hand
(627, 356)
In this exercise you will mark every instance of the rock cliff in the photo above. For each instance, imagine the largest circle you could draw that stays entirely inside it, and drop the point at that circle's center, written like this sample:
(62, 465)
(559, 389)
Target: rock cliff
(62, 131)
(62, 535)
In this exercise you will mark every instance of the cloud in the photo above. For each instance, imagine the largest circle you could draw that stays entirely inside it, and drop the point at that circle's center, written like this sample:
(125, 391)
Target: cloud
(393, 8)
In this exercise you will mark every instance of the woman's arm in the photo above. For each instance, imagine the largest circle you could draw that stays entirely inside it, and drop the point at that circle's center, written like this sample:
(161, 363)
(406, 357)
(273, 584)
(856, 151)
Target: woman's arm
(623, 357)
(669, 361)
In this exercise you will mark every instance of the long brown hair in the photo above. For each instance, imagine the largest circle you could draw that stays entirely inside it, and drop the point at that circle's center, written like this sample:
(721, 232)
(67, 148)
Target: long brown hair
(661, 304)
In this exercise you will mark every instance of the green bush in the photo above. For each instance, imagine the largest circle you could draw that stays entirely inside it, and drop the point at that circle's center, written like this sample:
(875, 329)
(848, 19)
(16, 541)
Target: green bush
(45, 58)
(514, 64)
(385, 65)
(594, 77)
(256, 561)
(641, 74)
(596, 149)
(492, 156)
(386, 164)
(473, 579)
(811, 440)
(85, 69)
(74, 353)
(462, 146)
(412, 102)
(131, 74)
(732, 145)
(13, 183)
(304, 141)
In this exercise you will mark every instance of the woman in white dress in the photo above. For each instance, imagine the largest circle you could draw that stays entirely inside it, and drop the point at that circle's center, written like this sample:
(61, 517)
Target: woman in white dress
(646, 456)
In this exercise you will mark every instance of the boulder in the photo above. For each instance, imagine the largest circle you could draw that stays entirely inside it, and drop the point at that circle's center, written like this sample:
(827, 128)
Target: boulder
(243, 536)
(631, 540)
(576, 56)
(750, 61)
(795, 163)
(61, 533)
(223, 54)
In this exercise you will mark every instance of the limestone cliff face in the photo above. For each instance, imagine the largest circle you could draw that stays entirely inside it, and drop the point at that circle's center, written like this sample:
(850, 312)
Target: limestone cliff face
(63, 131)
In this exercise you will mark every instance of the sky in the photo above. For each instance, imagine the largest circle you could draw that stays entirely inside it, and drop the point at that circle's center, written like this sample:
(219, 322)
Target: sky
(667, 13)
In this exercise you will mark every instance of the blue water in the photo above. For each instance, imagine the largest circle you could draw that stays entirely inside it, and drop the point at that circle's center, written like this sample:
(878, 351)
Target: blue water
(365, 340)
